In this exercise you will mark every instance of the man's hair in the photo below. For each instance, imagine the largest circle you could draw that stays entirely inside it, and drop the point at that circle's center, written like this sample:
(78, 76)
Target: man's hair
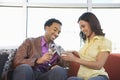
(49, 22)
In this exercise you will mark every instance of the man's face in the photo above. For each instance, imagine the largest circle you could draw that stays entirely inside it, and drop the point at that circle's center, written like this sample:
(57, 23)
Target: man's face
(53, 31)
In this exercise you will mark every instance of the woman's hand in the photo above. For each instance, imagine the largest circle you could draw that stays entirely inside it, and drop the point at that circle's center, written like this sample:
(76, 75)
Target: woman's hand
(76, 54)
(70, 55)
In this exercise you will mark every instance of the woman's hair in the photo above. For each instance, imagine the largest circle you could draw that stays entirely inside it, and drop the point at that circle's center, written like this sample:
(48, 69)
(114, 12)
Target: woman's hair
(93, 22)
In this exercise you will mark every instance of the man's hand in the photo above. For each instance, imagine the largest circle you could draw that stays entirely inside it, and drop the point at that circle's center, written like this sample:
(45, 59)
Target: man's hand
(46, 57)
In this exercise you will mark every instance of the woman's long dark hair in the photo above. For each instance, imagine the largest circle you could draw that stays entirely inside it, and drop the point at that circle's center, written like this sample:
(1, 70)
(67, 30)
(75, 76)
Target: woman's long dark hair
(93, 22)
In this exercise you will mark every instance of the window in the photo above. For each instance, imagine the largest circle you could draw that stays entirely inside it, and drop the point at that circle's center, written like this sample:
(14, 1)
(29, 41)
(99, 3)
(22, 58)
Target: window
(11, 1)
(25, 18)
(57, 1)
(106, 1)
(70, 29)
(109, 19)
(12, 29)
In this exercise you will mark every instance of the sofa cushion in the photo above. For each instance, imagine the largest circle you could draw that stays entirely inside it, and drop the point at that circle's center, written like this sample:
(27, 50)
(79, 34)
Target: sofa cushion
(6, 58)
(3, 59)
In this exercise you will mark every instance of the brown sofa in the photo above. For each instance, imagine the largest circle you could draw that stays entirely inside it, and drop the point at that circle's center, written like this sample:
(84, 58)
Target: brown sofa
(112, 66)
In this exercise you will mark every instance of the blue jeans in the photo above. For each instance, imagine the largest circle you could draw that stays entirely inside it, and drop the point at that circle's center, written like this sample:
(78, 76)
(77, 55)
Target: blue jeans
(25, 72)
(101, 77)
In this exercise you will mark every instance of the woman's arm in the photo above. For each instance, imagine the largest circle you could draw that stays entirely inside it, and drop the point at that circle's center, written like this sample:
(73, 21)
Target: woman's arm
(98, 64)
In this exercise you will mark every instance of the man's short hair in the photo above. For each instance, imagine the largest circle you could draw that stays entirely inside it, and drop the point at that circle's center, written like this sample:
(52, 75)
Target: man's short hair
(49, 22)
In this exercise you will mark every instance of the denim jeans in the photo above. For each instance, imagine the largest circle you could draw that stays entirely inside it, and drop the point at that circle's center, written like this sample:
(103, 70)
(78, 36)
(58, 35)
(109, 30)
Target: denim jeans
(25, 72)
(100, 77)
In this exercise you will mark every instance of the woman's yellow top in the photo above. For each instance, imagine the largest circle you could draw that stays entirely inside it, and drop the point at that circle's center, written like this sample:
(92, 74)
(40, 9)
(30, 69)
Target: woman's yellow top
(89, 52)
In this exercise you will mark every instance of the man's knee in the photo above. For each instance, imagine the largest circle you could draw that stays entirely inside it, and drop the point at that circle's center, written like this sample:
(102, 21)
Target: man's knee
(23, 68)
(59, 71)
(23, 71)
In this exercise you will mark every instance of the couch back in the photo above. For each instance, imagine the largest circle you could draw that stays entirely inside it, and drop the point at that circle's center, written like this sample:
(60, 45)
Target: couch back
(112, 66)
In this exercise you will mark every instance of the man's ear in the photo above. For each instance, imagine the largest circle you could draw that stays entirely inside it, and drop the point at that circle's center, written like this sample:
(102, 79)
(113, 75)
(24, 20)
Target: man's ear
(46, 28)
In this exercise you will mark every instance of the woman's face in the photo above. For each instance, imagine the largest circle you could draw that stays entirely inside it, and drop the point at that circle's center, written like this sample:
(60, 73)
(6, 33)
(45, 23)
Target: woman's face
(85, 28)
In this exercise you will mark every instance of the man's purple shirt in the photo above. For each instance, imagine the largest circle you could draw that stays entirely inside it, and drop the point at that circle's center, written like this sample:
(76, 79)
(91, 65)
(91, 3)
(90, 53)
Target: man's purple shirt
(45, 66)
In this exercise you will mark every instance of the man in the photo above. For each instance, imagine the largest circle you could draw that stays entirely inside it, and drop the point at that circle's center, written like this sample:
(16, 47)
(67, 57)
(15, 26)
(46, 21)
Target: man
(34, 61)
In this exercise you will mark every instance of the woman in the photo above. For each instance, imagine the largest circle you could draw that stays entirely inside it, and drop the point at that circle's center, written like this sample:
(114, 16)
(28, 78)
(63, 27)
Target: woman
(95, 51)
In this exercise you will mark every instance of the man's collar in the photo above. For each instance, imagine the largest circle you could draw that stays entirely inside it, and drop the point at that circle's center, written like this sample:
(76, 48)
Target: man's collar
(43, 41)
